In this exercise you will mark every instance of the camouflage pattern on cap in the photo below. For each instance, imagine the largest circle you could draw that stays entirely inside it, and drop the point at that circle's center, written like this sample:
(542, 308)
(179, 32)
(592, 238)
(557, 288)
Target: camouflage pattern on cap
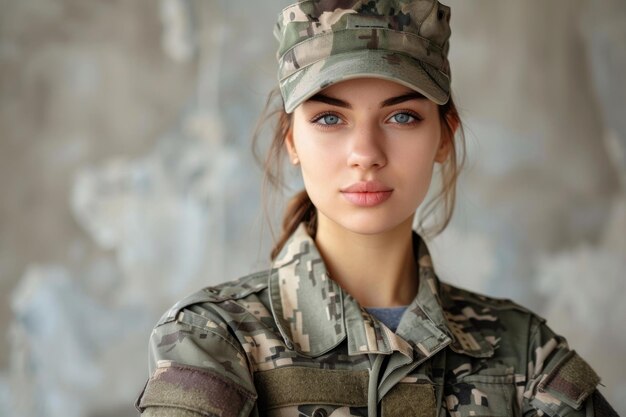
(322, 42)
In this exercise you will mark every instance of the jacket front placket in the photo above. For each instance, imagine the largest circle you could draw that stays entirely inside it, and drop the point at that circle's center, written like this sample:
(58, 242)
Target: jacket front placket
(366, 335)
(421, 335)
(314, 315)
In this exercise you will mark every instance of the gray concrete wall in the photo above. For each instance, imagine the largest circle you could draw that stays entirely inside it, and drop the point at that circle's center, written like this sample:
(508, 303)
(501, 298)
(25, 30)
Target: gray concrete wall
(126, 177)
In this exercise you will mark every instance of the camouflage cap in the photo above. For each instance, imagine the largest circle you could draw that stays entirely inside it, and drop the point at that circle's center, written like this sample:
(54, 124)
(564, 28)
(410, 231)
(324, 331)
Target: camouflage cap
(326, 41)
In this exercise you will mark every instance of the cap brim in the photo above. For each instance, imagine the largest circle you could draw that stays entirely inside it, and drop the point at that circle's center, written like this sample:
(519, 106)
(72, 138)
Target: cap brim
(374, 63)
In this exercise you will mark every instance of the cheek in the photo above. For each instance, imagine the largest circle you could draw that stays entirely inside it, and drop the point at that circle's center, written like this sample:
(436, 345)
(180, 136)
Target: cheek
(414, 177)
(318, 173)
(313, 165)
(319, 156)
(416, 154)
(414, 164)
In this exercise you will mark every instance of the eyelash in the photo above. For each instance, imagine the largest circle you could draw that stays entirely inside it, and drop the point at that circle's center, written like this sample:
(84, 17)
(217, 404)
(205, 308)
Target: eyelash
(315, 119)
(414, 115)
(411, 113)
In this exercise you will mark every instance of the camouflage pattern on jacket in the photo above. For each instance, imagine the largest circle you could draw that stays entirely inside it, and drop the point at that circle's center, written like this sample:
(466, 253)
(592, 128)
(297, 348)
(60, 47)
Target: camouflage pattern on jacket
(290, 342)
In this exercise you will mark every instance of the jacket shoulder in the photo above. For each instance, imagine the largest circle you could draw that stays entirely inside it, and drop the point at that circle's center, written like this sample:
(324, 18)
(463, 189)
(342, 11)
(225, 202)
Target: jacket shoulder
(458, 295)
(230, 290)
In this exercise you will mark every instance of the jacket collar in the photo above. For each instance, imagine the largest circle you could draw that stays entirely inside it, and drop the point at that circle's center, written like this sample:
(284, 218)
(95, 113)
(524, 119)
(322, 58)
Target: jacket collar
(314, 314)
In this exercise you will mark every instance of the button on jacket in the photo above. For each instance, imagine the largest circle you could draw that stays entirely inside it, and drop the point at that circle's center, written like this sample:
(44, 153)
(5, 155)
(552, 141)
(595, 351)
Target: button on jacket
(290, 342)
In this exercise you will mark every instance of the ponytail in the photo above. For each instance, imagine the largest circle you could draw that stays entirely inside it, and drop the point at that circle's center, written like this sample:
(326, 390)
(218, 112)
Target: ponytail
(299, 209)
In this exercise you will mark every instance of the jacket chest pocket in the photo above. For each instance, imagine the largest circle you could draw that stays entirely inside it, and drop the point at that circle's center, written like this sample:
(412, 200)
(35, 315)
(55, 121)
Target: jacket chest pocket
(410, 399)
(482, 396)
(311, 392)
(316, 410)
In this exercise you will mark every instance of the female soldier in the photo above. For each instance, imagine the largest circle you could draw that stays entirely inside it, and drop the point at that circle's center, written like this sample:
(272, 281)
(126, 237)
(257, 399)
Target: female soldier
(351, 319)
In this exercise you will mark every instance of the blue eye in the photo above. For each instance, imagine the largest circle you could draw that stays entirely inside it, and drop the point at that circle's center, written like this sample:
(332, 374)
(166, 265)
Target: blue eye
(327, 119)
(402, 118)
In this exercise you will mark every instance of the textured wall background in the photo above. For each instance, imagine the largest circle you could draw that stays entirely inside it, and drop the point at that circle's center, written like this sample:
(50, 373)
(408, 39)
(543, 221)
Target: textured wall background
(127, 179)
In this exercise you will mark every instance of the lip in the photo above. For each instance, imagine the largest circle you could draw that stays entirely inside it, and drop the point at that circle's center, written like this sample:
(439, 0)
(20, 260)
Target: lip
(367, 193)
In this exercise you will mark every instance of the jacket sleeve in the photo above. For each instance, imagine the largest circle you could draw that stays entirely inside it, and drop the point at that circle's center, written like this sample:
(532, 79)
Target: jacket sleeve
(197, 369)
(559, 382)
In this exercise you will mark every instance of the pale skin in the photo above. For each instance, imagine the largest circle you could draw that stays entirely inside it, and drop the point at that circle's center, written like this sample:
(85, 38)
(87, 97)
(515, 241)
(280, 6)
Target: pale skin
(368, 129)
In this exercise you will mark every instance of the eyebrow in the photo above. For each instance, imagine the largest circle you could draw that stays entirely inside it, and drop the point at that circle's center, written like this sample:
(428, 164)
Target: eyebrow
(413, 95)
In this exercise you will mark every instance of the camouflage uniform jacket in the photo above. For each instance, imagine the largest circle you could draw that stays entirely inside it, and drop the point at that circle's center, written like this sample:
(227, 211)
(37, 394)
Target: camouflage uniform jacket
(290, 342)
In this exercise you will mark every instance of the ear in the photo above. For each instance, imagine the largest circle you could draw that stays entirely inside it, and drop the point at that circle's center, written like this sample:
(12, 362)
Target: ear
(447, 136)
(445, 146)
(291, 148)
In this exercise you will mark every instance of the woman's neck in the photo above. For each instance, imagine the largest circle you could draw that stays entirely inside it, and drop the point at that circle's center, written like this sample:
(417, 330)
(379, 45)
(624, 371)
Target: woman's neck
(377, 270)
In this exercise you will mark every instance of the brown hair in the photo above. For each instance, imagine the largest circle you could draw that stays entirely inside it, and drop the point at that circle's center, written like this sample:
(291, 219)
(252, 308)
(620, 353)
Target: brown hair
(301, 209)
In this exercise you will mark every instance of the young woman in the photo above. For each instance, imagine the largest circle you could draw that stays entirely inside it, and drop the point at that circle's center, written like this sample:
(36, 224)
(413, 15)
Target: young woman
(351, 320)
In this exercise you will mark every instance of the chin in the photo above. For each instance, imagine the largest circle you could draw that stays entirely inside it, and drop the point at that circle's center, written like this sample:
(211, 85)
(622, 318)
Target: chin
(370, 223)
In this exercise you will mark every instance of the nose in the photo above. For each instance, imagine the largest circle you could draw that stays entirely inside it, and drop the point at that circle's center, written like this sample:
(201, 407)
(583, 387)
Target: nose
(366, 150)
